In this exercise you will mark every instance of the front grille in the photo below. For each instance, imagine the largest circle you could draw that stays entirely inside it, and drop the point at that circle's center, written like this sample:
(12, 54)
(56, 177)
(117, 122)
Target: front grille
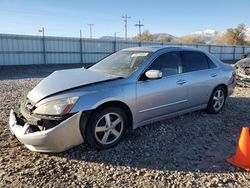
(26, 111)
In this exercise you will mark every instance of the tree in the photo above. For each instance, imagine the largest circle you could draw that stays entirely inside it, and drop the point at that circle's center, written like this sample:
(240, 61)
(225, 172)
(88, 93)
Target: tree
(192, 40)
(165, 39)
(234, 36)
(145, 36)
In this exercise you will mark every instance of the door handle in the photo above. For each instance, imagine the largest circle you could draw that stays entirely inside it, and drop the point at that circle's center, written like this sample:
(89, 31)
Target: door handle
(213, 75)
(181, 82)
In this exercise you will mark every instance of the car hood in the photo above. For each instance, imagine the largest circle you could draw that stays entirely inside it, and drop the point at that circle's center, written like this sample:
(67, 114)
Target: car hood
(63, 80)
(243, 63)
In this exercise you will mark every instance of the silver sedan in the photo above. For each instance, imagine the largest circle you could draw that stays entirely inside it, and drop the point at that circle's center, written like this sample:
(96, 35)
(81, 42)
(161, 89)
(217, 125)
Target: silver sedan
(128, 89)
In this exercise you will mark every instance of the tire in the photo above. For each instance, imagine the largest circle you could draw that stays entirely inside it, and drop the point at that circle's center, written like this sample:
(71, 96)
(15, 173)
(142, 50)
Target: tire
(217, 100)
(106, 127)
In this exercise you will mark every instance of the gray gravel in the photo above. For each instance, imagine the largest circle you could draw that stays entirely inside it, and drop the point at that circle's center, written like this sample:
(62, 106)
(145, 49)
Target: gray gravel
(186, 151)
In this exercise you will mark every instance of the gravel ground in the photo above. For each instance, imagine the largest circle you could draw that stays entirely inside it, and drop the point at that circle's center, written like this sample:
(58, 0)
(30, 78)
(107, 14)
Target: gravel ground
(186, 151)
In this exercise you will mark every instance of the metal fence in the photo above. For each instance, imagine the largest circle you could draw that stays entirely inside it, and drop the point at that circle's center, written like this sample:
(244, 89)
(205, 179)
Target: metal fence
(28, 50)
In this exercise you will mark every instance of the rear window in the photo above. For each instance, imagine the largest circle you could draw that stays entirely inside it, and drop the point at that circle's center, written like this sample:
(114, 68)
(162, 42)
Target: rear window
(210, 63)
(195, 61)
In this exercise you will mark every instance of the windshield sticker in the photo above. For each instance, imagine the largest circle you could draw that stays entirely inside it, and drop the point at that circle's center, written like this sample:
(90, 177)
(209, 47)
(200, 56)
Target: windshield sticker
(139, 54)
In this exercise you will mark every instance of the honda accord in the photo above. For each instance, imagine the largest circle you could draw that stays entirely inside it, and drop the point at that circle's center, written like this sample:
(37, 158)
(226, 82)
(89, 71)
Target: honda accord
(127, 89)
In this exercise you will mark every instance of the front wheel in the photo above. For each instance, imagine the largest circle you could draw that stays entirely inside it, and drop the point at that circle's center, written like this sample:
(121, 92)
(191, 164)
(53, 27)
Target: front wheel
(217, 100)
(106, 127)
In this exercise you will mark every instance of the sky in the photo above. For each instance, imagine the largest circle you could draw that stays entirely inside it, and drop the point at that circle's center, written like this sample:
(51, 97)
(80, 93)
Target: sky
(66, 18)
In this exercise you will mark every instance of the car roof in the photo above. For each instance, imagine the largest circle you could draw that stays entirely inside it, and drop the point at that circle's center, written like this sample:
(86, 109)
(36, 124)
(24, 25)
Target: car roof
(157, 48)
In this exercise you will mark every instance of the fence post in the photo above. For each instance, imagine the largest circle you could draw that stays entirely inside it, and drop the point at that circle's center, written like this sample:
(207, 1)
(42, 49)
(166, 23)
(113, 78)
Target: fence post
(44, 50)
(81, 46)
(209, 48)
(221, 52)
(114, 46)
(234, 53)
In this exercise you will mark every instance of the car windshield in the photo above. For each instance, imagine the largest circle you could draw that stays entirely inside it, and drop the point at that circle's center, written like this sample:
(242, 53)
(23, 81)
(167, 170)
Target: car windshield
(122, 63)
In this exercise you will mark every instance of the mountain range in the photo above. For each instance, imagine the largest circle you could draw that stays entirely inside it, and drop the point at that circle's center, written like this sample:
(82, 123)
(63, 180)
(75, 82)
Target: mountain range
(208, 35)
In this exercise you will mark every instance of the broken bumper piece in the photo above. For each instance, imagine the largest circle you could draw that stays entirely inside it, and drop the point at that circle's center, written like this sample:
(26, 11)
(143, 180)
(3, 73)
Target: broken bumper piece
(63, 136)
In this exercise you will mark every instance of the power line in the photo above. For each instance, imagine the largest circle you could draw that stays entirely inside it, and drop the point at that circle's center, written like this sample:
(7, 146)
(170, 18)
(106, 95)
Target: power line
(90, 30)
(125, 18)
(139, 25)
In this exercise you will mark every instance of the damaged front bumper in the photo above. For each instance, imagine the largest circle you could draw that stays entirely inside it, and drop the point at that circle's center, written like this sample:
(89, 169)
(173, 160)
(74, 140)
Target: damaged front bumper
(243, 80)
(243, 73)
(59, 138)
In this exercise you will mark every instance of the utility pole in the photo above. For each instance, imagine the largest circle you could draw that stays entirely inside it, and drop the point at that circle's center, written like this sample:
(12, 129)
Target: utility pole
(90, 30)
(139, 25)
(125, 18)
(44, 49)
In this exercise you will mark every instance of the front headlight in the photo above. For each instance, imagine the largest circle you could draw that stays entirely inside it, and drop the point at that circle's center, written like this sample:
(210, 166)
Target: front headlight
(56, 107)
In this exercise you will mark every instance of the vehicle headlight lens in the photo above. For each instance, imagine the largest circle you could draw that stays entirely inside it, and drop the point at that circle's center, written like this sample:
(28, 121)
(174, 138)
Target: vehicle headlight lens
(56, 107)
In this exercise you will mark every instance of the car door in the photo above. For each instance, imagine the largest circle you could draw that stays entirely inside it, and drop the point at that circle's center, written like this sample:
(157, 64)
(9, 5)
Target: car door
(165, 95)
(203, 77)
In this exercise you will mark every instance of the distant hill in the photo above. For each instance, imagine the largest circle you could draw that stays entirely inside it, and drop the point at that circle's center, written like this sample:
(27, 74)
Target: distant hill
(156, 37)
(208, 35)
(159, 36)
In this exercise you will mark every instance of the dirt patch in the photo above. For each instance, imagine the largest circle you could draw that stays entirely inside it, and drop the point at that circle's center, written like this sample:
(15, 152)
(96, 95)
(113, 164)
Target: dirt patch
(186, 151)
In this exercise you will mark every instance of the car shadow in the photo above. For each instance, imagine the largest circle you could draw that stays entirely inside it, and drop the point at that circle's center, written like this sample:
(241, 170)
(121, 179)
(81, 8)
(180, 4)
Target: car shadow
(195, 142)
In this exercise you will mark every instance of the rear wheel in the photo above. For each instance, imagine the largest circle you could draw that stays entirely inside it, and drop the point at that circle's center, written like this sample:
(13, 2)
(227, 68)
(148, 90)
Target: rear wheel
(217, 100)
(106, 127)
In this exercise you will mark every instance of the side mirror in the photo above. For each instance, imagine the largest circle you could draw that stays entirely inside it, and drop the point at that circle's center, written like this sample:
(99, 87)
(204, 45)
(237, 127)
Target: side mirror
(153, 74)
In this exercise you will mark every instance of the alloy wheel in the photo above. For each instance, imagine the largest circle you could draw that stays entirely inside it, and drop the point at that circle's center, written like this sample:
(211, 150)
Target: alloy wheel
(218, 100)
(109, 128)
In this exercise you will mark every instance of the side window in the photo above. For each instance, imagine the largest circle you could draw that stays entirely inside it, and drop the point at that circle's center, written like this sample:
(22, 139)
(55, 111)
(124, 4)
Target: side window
(168, 63)
(195, 61)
